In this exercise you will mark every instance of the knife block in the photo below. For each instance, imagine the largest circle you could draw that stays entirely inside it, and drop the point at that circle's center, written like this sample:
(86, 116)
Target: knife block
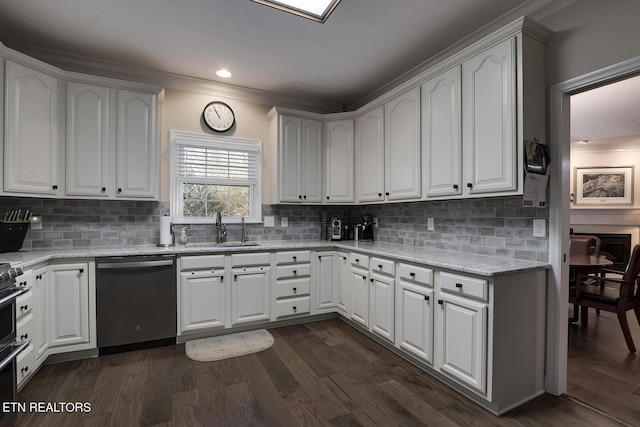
(12, 235)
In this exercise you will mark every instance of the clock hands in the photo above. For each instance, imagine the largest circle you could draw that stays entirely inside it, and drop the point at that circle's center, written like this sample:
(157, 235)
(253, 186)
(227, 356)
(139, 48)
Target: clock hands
(218, 114)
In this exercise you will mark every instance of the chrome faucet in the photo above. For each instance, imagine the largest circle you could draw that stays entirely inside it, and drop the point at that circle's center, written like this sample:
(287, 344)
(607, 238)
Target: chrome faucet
(243, 235)
(220, 229)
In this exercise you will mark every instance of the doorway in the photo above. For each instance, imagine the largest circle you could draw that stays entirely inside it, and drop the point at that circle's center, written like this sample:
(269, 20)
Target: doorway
(559, 215)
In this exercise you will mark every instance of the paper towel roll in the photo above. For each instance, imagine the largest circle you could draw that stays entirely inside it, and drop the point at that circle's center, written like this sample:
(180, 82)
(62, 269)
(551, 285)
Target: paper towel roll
(165, 231)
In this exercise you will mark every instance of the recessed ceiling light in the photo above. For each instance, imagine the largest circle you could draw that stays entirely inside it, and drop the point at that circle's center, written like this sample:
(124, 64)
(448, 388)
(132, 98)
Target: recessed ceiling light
(584, 141)
(223, 73)
(316, 10)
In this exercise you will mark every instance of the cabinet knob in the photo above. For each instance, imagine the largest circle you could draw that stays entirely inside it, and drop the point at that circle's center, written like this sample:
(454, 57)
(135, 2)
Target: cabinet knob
(304, 197)
(300, 196)
(39, 277)
(295, 272)
(119, 190)
(295, 290)
(459, 285)
(235, 277)
(440, 302)
(387, 193)
(295, 309)
(25, 369)
(412, 274)
(24, 336)
(470, 185)
(294, 258)
(371, 280)
(327, 197)
(364, 278)
(24, 307)
(104, 189)
(380, 266)
(455, 186)
(426, 297)
(81, 270)
(379, 194)
(357, 260)
(55, 187)
(221, 279)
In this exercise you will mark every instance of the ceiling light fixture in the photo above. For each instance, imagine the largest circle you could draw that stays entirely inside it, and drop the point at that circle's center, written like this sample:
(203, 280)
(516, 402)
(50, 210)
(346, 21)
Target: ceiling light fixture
(584, 141)
(316, 10)
(223, 73)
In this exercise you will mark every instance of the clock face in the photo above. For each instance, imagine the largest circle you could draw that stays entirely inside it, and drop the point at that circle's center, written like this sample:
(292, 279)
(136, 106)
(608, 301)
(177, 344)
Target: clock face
(218, 116)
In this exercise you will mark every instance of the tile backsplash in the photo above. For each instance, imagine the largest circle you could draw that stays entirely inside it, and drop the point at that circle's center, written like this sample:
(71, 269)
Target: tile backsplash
(495, 226)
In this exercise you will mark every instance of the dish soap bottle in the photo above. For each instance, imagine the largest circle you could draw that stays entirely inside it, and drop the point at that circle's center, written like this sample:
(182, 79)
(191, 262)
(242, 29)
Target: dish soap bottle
(183, 236)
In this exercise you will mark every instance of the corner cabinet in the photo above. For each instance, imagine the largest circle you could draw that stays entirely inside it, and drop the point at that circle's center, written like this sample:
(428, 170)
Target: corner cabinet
(31, 131)
(339, 147)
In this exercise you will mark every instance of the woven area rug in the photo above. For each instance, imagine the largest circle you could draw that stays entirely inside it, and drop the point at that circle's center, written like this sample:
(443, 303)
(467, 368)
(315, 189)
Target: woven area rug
(226, 346)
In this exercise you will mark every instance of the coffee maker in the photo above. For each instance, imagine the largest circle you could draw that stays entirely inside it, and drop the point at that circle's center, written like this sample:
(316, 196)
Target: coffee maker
(366, 230)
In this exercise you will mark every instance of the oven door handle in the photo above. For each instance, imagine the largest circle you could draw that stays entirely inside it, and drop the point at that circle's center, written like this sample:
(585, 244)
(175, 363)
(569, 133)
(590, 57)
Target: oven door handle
(12, 296)
(14, 354)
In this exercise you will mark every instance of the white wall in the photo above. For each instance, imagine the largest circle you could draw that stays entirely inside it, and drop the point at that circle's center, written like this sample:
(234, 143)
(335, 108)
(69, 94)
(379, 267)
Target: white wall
(590, 35)
(182, 110)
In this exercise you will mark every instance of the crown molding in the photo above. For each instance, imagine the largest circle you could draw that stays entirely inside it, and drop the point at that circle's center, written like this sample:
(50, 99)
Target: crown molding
(92, 66)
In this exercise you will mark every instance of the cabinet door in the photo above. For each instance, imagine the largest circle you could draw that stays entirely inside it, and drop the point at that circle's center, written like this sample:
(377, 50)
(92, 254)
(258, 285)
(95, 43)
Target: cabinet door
(41, 313)
(381, 310)
(202, 301)
(463, 340)
(344, 292)
(136, 147)
(68, 301)
(88, 142)
(31, 130)
(489, 120)
(326, 281)
(360, 292)
(250, 295)
(340, 161)
(312, 161)
(441, 134)
(414, 320)
(370, 156)
(402, 146)
(290, 159)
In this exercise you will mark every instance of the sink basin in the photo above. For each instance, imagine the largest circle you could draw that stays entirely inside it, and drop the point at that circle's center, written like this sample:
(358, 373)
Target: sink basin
(236, 244)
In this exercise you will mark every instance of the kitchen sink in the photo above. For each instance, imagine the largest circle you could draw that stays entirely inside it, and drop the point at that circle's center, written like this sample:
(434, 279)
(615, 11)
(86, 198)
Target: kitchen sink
(236, 244)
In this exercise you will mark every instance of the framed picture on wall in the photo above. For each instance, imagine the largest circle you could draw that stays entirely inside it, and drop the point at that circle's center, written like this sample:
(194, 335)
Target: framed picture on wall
(607, 186)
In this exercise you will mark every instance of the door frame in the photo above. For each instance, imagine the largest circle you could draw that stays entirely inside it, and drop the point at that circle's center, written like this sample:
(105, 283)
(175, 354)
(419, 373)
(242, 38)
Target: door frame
(558, 276)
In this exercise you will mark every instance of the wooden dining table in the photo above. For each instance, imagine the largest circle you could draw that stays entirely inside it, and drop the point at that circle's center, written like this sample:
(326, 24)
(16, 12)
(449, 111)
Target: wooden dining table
(585, 264)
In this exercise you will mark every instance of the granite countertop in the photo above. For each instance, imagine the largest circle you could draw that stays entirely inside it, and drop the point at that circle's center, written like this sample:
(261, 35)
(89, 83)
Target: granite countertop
(482, 265)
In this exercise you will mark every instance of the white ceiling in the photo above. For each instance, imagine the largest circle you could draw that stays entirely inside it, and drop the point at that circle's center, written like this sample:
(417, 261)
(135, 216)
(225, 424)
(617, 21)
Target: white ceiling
(365, 46)
(608, 117)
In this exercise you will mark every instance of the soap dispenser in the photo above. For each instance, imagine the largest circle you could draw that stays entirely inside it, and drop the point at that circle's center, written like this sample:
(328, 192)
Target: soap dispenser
(183, 236)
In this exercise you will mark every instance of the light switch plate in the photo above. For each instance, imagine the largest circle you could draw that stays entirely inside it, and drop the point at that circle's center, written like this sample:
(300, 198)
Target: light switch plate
(430, 224)
(284, 221)
(539, 228)
(269, 221)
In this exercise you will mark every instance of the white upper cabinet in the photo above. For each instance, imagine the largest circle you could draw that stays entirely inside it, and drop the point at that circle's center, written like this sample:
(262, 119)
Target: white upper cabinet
(441, 134)
(136, 145)
(370, 156)
(340, 161)
(402, 146)
(88, 140)
(299, 160)
(489, 120)
(31, 131)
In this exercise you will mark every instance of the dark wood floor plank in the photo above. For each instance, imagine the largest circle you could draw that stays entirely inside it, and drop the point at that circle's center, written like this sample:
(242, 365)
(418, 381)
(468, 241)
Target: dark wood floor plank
(277, 371)
(327, 332)
(185, 409)
(129, 400)
(106, 391)
(159, 390)
(302, 407)
(246, 409)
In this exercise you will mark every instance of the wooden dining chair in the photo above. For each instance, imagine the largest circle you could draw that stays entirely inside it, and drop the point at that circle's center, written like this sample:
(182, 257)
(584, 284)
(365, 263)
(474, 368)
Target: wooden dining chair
(616, 295)
(582, 245)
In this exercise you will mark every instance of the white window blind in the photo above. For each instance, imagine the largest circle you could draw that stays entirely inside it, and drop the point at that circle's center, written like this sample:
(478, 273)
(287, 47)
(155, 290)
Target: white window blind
(215, 174)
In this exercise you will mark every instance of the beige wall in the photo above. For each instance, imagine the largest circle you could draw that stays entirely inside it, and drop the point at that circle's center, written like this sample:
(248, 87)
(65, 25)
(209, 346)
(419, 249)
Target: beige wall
(182, 110)
(590, 35)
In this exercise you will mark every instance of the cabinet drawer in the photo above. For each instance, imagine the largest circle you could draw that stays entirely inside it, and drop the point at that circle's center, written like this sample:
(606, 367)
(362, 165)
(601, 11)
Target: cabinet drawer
(24, 304)
(359, 260)
(383, 266)
(293, 256)
(463, 285)
(25, 364)
(293, 306)
(25, 328)
(260, 258)
(294, 270)
(201, 262)
(293, 287)
(414, 273)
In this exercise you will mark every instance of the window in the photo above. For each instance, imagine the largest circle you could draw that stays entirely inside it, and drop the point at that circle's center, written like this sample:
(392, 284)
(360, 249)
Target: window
(215, 174)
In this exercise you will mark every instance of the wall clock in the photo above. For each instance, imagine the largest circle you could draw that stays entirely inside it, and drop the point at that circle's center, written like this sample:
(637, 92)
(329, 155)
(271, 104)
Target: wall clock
(218, 116)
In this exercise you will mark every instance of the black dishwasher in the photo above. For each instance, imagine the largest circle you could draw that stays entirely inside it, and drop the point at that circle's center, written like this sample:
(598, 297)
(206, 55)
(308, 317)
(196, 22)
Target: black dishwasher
(135, 302)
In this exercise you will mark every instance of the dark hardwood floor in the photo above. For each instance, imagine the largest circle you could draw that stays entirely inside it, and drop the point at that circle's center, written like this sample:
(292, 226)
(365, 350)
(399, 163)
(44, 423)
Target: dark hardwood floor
(601, 371)
(317, 374)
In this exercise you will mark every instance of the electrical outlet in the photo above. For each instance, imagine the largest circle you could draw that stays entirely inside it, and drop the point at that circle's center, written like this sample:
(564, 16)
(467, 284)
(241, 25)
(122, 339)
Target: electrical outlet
(430, 224)
(375, 221)
(269, 221)
(539, 228)
(284, 221)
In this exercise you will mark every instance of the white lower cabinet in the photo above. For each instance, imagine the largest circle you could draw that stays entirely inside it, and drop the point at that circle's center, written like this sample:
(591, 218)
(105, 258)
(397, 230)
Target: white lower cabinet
(293, 284)
(69, 300)
(202, 293)
(359, 278)
(250, 288)
(344, 292)
(326, 282)
(40, 314)
(414, 311)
